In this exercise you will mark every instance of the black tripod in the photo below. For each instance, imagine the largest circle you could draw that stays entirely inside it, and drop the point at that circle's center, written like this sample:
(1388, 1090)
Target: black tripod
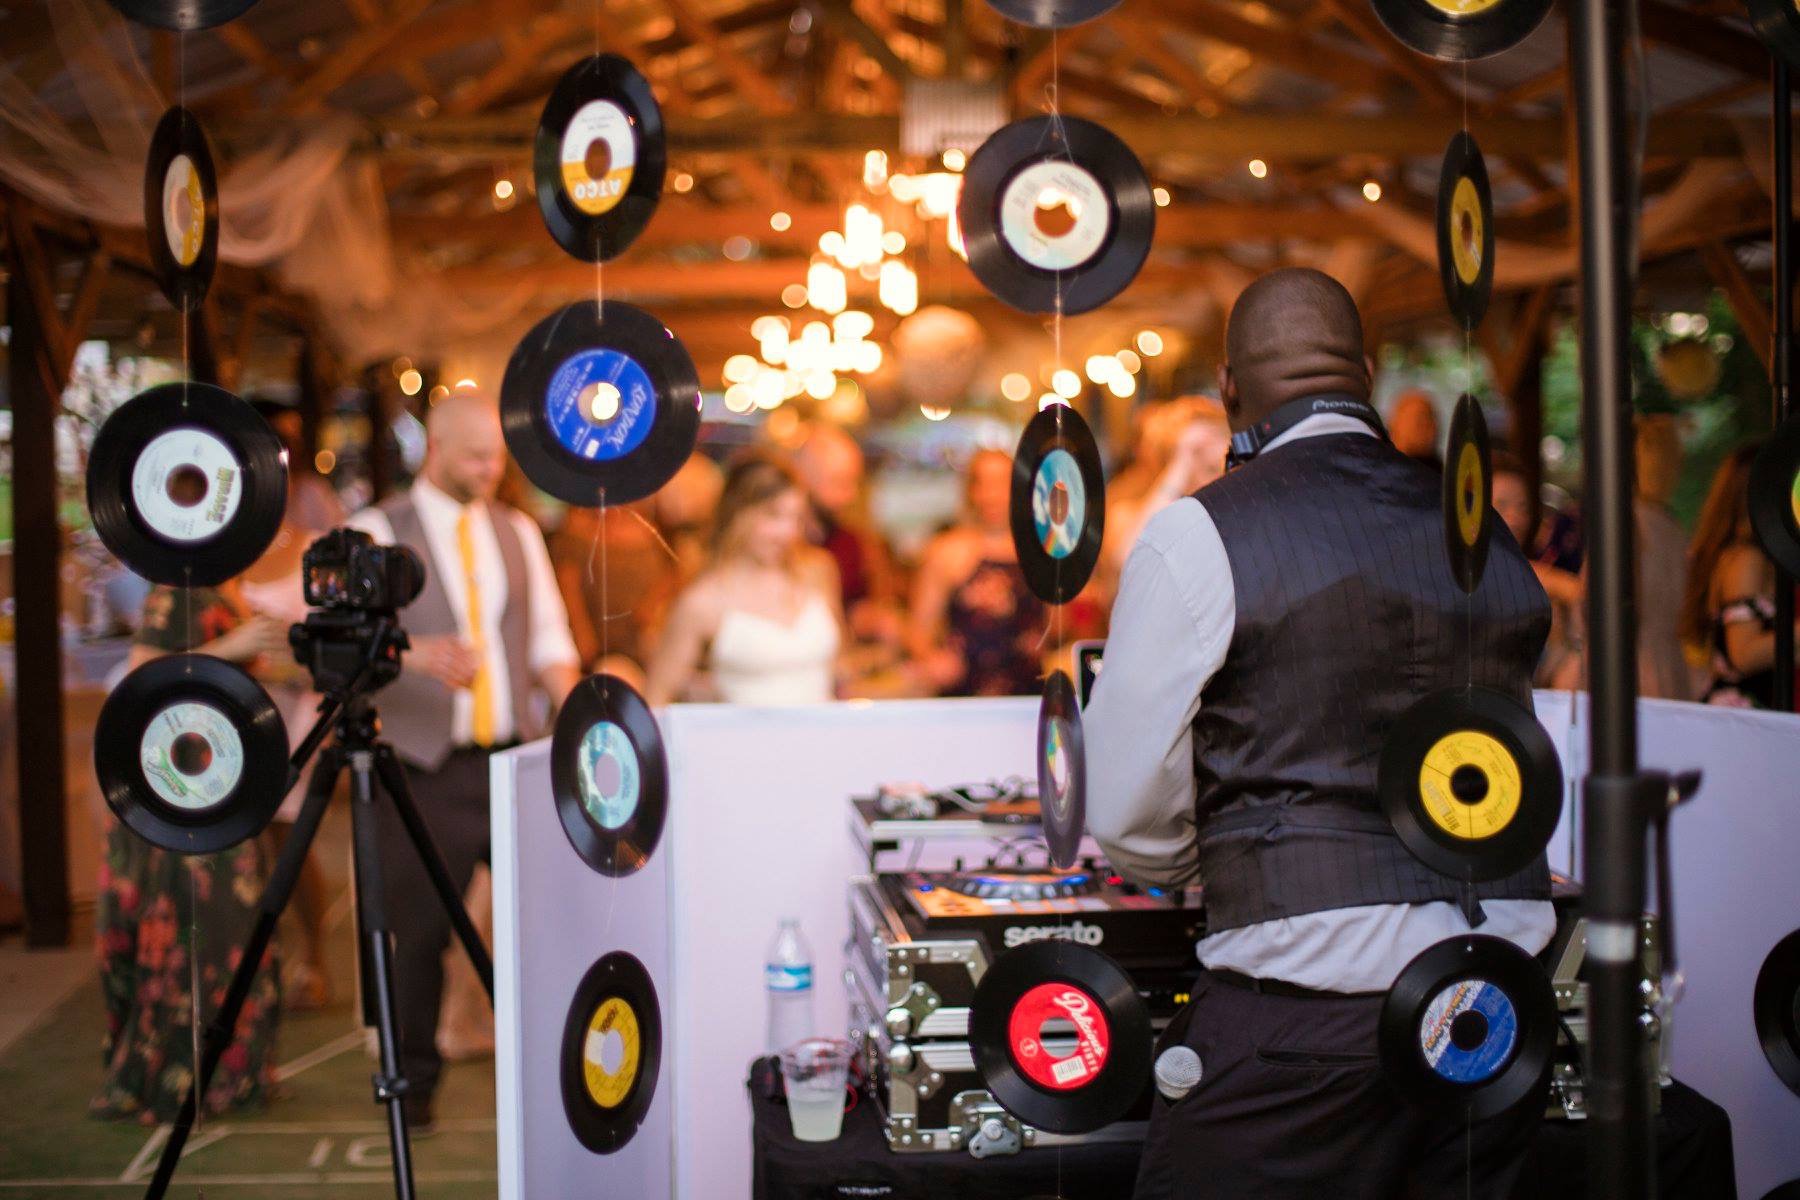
(347, 713)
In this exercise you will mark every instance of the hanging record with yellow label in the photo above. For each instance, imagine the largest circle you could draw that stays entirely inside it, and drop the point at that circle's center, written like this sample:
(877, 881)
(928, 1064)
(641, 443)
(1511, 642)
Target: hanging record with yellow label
(599, 158)
(1471, 783)
(183, 16)
(1465, 231)
(1777, 23)
(611, 1052)
(181, 209)
(1460, 30)
(1775, 496)
(1468, 494)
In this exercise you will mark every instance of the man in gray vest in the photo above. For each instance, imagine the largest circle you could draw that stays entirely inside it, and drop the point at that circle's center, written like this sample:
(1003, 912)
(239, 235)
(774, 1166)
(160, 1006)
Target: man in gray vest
(1267, 632)
(488, 632)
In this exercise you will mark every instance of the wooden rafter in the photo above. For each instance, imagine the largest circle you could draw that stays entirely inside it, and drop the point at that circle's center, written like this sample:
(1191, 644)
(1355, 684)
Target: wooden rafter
(842, 18)
(749, 79)
(348, 60)
(1745, 298)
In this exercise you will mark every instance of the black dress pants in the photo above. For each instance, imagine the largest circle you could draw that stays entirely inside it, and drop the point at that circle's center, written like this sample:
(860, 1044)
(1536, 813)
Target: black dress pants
(453, 801)
(1292, 1105)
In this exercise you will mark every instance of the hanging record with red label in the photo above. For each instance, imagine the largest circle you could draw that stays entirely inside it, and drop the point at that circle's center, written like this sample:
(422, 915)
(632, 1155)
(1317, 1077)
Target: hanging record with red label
(1465, 232)
(1060, 1036)
(1777, 23)
(1460, 30)
(1058, 504)
(1468, 494)
(600, 404)
(1061, 770)
(181, 209)
(186, 484)
(1056, 214)
(183, 16)
(599, 158)
(609, 775)
(611, 1052)
(1468, 1027)
(1775, 1005)
(191, 754)
(1052, 14)
(1775, 496)
(1471, 782)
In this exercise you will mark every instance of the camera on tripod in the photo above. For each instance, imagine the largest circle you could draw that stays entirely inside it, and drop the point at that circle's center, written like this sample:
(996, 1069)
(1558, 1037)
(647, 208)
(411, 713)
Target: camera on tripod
(355, 590)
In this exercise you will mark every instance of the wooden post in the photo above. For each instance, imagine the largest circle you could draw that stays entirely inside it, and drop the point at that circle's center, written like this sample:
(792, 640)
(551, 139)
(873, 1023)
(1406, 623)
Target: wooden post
(37, 584)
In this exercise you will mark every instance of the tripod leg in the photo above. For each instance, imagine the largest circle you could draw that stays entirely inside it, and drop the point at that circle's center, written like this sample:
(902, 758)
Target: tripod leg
(390, 1084)
(269, 906)
(393, 778)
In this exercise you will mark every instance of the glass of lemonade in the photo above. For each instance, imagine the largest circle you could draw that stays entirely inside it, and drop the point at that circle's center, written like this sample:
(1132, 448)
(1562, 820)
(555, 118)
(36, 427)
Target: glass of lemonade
(815, 1072)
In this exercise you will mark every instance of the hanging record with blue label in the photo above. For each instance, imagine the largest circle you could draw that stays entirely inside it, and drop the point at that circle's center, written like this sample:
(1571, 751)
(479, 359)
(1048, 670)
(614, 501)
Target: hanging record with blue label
(1468, 1027)
(599, 158)
(600, 404)
(609, 775)
(1061, 770)
(1058, 504)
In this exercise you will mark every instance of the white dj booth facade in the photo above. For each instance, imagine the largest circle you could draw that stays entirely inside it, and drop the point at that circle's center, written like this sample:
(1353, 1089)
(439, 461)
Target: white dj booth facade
(758, 829)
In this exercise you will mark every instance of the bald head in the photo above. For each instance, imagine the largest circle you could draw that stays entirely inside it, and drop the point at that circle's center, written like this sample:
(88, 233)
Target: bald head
(1293, 333)
(465, 452)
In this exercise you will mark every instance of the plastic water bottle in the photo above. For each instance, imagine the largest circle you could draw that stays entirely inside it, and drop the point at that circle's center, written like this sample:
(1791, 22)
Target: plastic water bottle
(787, 976)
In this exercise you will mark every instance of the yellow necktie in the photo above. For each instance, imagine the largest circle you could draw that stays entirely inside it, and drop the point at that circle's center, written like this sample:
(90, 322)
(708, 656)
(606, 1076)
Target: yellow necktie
(482, 690)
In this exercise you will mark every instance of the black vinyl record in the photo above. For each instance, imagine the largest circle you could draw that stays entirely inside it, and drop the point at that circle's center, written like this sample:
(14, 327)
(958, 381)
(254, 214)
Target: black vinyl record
(1465, 231)
(1052, 14)
(183, 16)
(181, 209)
(1460, 30)
(1058, 504)
(1776, 1006)
(1777, 23)
(1468, 494)
(191, 754)
(1060, 1036)
(599, 158)
(186, 484)
(600, 403)
(1056, 214)
(611, 1052)
(1061, 770)
(1468, 1027)
(1471, 783)
(609, 775)
(1775, 496)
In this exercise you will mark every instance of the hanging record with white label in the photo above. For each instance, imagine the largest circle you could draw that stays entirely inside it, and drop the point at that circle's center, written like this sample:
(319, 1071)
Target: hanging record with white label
(1052, 14)
(599, 158)
(611, 1052)
(181, 209)
(1460, 30)
(1058, 504)
(1056, 214)
(600, 404)
(186, 484)
(1061, 770)
(191, 754)
(1468, 1027)
(609, 775)
(183, 16)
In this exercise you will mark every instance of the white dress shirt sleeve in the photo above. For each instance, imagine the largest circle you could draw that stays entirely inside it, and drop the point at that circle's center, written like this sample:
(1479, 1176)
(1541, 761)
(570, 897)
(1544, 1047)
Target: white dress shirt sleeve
(375, 523)
(1171, 627)
(552, 645)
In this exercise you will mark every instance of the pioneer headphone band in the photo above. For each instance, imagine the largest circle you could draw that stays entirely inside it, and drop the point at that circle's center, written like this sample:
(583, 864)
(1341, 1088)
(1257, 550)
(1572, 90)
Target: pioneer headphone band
(1246, 444)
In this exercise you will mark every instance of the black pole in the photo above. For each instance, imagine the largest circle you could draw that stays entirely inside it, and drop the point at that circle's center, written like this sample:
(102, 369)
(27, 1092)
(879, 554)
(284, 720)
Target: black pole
(1618, 1081)
(1783, 358)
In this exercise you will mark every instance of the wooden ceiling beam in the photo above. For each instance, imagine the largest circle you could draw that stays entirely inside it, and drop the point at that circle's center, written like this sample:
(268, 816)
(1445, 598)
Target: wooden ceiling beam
(348, 60)
(1150, 45)
(842, 18)
(1707, 39)
(749, 78)
(1279, 44)
(521, 54)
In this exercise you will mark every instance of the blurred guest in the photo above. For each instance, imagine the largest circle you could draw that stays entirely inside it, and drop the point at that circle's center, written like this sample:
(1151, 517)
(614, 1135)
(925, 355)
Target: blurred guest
(975, 625)
(1202, 436)
(621, 544)
(1412, 424)
(685, 508)
(1560, 664)
(489, 633)
(313, 504)
(1662, 554)
(831, 464)
(762, 619)
(1729, 603)
(156, 908)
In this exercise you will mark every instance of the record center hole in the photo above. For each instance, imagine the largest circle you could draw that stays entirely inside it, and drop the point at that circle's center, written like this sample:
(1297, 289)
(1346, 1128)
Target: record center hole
(1059, 503)
(1469, 784)
(186, 485)
(1465, 228)
(181, 210)
(597, 162)
(1468, 1030)
(1468, 496)
(599, 402)
(190, 754)
(609, 1055)
(1056, 213)
(607, 775)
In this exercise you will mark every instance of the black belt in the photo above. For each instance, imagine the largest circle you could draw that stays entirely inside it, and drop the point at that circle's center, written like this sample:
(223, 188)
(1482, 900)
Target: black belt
(1277, 987)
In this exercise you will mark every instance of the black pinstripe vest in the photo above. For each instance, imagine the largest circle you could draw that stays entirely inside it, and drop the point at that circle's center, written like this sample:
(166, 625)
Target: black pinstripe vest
(1346, 615)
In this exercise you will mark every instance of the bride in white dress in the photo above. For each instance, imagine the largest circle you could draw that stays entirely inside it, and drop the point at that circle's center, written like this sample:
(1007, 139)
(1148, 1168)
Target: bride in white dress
(763, 618)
